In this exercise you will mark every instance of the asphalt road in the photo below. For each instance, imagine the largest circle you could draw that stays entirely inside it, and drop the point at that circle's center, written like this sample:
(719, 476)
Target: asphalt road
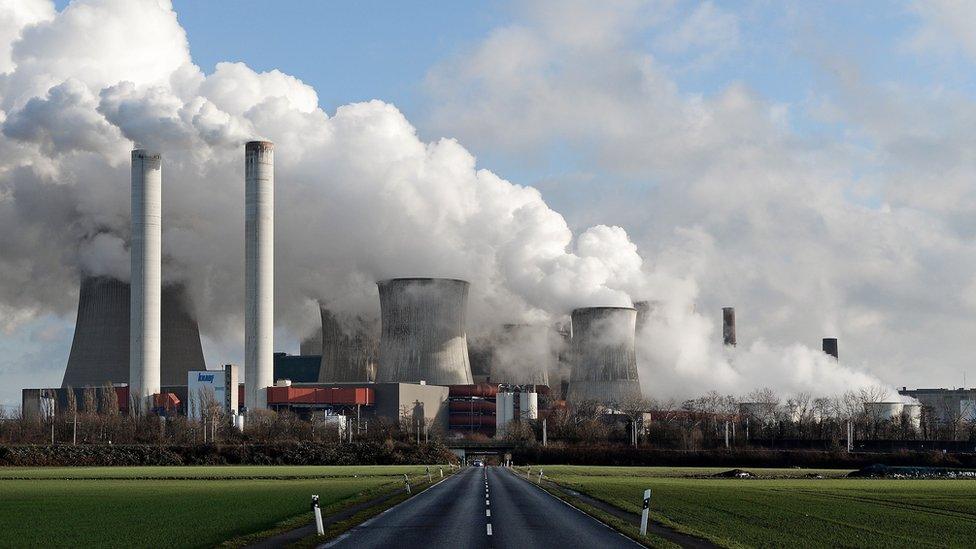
(482, 507)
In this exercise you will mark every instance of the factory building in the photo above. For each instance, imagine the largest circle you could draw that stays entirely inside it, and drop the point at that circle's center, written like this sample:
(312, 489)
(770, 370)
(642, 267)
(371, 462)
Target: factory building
(945, 405)
(604, 360)
(423, 331)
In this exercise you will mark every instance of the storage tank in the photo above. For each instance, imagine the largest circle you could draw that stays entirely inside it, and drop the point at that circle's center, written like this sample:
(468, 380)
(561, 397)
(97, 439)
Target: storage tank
(529, 405)
(604, 362)
(913, 414)
(100, 348)
(423, 331)
(504, 411)
(347, 352)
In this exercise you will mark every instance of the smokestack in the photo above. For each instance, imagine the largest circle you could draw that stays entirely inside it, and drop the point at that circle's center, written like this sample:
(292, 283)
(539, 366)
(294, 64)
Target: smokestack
(258, 272)
(830, 347)
(728, 326)
(423, 335)
(605, 363)
(146, 257)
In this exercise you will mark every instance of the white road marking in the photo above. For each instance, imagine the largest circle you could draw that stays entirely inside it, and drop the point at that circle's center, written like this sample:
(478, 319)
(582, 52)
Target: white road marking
(488, 503)
(487, 512)
(489, 528)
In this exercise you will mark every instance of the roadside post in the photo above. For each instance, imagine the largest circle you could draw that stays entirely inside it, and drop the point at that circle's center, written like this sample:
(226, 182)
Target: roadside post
(442, 471)
(540, 476)
(528, 471)
(647, 504)
(406, 481)
(318, 515)
(428, 474)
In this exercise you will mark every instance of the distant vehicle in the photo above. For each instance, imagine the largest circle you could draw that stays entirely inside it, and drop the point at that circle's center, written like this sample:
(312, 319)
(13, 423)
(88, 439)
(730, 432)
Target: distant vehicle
(477, 463)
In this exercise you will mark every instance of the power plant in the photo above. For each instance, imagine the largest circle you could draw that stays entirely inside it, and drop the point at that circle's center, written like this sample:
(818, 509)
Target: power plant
(258, 272)
(604, 361)
(522, 354)
(423, 335)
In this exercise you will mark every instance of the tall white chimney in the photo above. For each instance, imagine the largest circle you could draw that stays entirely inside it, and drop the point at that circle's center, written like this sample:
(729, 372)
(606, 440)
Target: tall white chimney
(146, 256)
(258, 272)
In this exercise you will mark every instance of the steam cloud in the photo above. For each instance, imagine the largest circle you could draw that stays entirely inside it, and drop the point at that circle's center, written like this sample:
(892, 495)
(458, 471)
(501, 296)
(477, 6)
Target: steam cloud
(359, 197)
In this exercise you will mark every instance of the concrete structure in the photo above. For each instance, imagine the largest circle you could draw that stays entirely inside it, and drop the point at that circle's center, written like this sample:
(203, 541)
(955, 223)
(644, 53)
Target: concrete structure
(522, 354)
(945, 405)
(423, 331)
(258, 272)
(146, 258)
(895, 411)
(728, 326)
(100, 348)
(604, 360)
(830, 347)
(348, 354)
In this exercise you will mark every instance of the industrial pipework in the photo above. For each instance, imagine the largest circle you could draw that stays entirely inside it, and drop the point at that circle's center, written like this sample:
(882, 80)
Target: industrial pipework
(258, 272)
(423, 331)
(146, 258)
(604, 359)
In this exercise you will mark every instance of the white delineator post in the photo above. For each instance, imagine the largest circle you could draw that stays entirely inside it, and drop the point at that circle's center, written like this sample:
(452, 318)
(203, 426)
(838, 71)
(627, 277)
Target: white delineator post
(647, 504)
(318, 515)
(146, 275)
(258, 272)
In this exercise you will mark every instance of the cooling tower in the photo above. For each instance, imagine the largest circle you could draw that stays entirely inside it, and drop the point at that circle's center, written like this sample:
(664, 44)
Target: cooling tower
(258, 272)
(311, 345)
(347, 353)
(423, 334)
(728, 326)
(100, 349)
(604, 361)
(522, 355)
(146, 290)
(830, 346)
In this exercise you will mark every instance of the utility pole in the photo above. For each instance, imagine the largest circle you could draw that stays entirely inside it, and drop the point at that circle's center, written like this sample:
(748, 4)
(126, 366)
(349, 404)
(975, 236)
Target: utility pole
(543, 431)
(74, 430)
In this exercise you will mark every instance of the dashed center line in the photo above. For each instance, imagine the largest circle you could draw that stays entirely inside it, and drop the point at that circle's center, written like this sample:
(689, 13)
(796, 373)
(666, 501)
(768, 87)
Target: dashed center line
(489, 528)
(487, 512)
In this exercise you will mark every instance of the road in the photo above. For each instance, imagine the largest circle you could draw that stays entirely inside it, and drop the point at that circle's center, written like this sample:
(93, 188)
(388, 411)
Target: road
(482, 507)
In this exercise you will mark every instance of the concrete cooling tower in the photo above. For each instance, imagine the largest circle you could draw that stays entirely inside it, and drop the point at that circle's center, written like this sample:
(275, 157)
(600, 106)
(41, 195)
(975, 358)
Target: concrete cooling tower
(347, 353)
(100, 349)
(423, 334)
(604, 361)
(522, 355)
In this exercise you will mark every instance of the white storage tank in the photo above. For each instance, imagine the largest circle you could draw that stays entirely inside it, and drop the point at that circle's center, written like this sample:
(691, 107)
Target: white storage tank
(529, 405)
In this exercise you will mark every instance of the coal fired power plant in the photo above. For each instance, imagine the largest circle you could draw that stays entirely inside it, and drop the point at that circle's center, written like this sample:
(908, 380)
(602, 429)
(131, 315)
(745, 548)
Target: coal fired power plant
(348, 354)
(423, 334)
(258, 272)
(604, 365)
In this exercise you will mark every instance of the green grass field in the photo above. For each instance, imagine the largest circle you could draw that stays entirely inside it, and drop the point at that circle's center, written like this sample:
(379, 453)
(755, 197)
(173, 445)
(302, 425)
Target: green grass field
(784, 508)
(170, 506)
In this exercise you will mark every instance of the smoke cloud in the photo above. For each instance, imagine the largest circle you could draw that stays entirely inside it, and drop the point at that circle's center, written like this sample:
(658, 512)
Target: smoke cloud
(359, 198)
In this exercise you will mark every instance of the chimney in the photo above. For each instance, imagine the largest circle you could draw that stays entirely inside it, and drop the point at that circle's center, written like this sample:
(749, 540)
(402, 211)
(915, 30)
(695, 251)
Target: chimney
(146, 298)
(728, 326)
(830, 346)
(258, 272)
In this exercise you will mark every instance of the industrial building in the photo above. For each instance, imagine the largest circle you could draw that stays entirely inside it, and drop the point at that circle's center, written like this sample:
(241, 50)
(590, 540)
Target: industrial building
(604, 361)
(423, 331)
(945, 405)
(100, 347)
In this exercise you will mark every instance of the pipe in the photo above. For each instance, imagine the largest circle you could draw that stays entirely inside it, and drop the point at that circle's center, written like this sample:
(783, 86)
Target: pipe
(258, 272)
